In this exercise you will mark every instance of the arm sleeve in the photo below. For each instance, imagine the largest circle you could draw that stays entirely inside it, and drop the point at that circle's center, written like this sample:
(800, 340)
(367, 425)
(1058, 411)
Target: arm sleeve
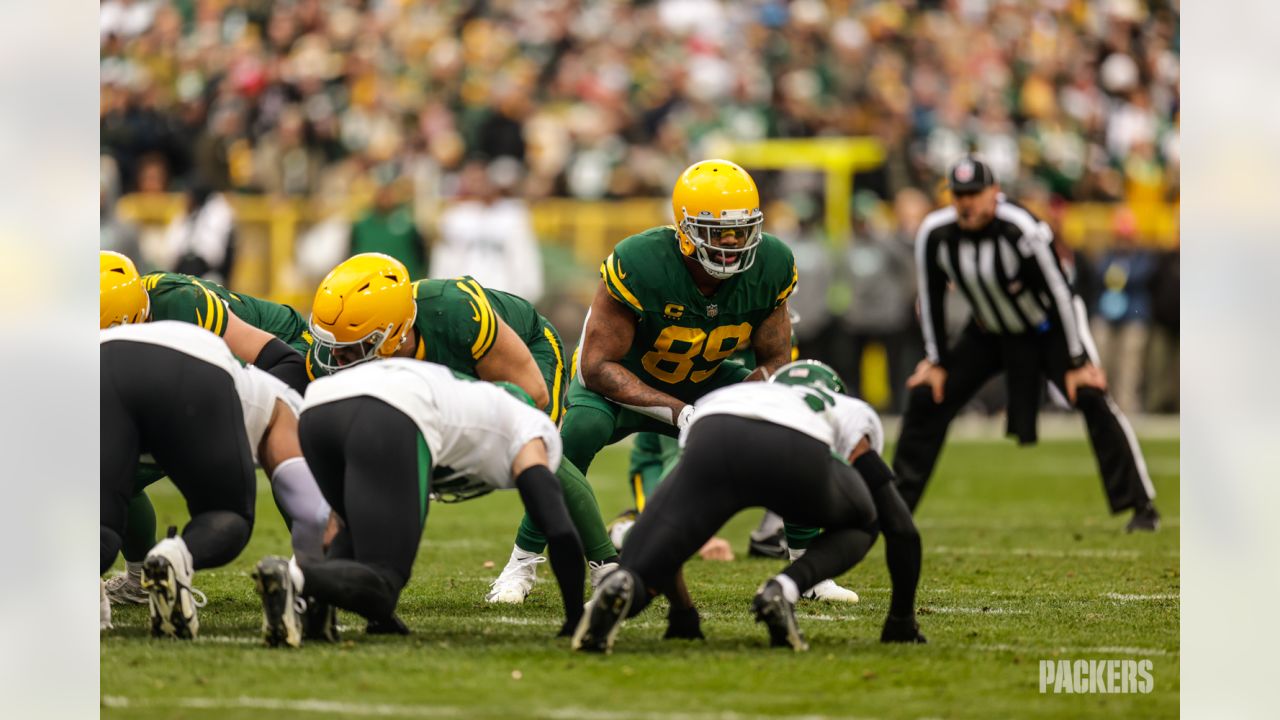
(285, 363)
(544, 500)
(932, 283)
(1047, 277)
(902, 547)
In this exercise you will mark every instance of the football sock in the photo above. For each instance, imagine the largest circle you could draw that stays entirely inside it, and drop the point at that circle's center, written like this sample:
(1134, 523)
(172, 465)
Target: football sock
(799, 536)
(830, 555)
(790, 590)
(585, 513)
(139, 528)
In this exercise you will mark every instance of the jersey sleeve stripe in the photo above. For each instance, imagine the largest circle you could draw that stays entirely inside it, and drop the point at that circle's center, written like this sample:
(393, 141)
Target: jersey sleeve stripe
(795, 279)
(610, 269)
(484, 314)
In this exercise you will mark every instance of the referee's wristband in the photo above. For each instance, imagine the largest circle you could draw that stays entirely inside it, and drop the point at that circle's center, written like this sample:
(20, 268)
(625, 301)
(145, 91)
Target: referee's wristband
(1079, 361)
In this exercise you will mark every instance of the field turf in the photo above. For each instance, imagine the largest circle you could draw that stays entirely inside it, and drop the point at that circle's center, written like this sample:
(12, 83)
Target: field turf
(1022, 563)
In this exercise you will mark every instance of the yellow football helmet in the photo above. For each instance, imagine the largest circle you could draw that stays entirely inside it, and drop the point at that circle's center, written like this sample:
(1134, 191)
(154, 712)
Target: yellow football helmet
(363, 310)
(718, 218)
(121, 297)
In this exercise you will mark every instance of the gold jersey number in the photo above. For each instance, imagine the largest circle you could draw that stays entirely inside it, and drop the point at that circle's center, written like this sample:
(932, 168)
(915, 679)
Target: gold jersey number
(675, 366)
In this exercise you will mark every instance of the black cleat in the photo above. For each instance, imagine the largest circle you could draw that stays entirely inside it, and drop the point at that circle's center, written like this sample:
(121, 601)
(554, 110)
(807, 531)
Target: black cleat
(901, 630)
(387, 626)
(603, 615)
(773, 609)
(683, 624)
(320, 622)
(1145, 519)
(774, 546)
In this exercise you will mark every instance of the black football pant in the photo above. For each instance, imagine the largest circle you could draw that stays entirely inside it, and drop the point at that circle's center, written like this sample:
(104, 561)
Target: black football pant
(186, 413)
(373, 468)
(976, 358)
(729, 464)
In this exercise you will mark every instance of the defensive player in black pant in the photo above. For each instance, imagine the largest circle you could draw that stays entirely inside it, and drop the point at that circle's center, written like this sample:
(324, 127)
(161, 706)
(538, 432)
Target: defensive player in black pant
(382, 439)
(782, 445)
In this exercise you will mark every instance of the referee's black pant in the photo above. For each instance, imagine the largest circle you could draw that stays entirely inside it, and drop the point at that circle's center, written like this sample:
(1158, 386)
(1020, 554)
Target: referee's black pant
(976, 358)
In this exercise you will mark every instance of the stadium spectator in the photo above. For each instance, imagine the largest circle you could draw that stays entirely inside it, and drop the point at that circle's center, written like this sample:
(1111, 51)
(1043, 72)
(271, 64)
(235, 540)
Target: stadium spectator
(1121, 326)
(388, 228)
(201, 239)
(488, 234)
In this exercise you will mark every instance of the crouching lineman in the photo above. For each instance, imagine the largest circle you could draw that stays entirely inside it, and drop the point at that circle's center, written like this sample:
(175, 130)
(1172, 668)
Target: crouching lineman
(780, 445)
(176, 392)
(382, 438)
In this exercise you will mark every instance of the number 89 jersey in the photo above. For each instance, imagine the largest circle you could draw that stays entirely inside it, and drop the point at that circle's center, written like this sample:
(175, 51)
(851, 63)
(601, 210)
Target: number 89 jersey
(683, 336)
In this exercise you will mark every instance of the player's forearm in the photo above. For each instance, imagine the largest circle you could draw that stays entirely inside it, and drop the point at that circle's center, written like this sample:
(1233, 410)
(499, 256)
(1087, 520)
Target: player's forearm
(624, 387)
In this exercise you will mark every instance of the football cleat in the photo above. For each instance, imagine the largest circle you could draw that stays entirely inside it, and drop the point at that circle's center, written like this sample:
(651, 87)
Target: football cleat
(320, 622)
(599, 571)
(166, 576)
(126, 589)
(829, 591)
(104, 607)
(387, 626)
(773, 546)
(602, 617)
(901, 630)
(772, 608)
(1145, 519)
(620, 526)
(282, 608)
(515, 582)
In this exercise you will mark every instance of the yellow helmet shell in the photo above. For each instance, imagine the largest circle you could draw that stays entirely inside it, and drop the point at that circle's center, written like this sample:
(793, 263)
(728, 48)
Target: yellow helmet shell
(121, 297)
(711, 195)
(366, 299)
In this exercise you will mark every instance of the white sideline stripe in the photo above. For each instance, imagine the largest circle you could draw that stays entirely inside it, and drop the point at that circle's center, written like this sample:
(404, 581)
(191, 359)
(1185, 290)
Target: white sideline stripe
(944, 610)
(329, 707)
(1123, 597)
(1079, 651)
(1042, 552)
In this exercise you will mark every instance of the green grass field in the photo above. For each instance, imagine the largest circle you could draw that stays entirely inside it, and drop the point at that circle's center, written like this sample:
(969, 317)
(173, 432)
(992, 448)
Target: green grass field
(1022, 563)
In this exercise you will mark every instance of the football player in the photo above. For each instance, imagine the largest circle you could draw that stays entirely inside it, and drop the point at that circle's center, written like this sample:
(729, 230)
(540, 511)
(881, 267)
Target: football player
(268, 335)
(152, 376)
(673, 304)
(798, 446)
(368, 308)
(383, 439)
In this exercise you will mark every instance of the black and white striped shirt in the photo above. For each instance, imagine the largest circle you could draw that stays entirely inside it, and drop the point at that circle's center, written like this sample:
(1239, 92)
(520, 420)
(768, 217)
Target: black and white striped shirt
(1007, 271)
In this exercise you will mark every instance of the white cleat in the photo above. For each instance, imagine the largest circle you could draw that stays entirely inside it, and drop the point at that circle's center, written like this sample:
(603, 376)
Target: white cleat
(282, 607)
(599, 571)
(104, 608)
(166, 576)
(126, 589)
(515, 582)
(829, 591)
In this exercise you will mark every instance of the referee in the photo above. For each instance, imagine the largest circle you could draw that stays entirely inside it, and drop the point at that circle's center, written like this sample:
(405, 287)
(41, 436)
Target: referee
(1025, 324)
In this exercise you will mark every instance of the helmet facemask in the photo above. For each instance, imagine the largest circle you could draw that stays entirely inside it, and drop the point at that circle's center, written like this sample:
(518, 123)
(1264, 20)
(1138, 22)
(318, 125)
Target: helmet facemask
(707, 234)
(334, 355)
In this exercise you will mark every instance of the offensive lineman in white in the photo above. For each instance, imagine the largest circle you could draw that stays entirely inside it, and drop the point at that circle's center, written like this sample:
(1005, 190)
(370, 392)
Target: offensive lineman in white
(382, 439)
(797, 446)
(175, 391)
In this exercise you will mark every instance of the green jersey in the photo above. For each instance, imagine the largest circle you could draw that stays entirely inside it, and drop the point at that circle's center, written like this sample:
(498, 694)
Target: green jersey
(456, 323)
(682, 336)
(200, 302)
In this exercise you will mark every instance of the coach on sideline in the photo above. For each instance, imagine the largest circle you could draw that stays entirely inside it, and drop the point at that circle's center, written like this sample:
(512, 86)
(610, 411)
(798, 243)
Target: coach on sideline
(1025, 323)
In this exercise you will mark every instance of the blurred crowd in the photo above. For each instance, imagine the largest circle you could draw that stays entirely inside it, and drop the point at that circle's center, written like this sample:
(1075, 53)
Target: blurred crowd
(497, 102)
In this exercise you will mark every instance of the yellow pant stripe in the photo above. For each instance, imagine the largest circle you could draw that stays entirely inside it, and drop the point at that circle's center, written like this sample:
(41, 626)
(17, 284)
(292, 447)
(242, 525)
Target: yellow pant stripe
(559, 372)
(637, 486)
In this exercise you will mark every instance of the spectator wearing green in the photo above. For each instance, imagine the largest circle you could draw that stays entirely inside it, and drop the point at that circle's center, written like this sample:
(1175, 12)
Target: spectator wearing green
(388, 228)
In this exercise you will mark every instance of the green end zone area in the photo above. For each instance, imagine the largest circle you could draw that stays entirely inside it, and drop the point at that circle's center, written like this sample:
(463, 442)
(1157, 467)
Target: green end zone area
(1022, 564)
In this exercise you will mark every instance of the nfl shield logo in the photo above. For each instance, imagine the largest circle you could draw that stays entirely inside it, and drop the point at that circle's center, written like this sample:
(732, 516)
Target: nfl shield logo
(713, 310)
(964, 172)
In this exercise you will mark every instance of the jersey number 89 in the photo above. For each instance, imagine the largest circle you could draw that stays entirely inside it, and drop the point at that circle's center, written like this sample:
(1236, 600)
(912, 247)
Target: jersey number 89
(674, 366)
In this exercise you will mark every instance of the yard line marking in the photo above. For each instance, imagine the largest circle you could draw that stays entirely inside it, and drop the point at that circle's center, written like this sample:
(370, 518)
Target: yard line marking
(1100, 650)
(1124, 597)
(228, 639)
(944, 610)
(329, 707)
(1050, 553)
(1081, 524)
